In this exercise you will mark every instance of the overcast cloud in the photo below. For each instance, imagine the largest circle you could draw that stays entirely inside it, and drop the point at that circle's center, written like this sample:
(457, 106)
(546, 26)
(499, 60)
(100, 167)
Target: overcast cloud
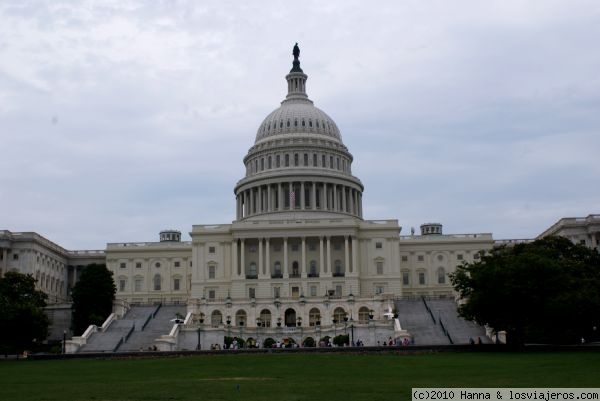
(119, 119)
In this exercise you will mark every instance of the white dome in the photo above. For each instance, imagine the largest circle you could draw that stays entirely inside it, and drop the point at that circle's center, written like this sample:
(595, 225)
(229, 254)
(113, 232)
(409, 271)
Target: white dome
(298, 116)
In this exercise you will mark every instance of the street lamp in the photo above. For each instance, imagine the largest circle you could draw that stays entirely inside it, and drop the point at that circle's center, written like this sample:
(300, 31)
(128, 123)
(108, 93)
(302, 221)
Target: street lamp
(258, 323)
(64, 344)
(352, 329)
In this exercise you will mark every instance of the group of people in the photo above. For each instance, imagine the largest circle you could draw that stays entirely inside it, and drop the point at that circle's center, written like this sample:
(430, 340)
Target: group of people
(397, 342)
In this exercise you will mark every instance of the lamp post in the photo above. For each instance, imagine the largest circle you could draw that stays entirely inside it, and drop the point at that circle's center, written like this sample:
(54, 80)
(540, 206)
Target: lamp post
(352, 329)
(64, 344)
(258, 323)
(228, 326)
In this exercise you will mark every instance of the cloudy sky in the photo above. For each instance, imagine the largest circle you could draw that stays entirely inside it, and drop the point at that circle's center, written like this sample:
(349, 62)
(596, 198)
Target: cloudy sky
(119, 119)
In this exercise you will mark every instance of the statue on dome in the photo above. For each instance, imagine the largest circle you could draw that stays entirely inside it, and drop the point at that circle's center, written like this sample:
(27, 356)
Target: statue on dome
(296, 51)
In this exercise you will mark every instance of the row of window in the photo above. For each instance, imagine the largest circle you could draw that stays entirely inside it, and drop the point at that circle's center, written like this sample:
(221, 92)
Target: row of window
(297, 160)
(325, 125)
(422, 277)
(158, 265)
(138, 283)
(421, 258)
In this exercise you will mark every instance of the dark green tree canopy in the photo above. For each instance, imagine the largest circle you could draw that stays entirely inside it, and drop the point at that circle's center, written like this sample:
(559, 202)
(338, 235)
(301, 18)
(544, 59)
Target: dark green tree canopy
(93, 297)
(22, 317)
(544, 291)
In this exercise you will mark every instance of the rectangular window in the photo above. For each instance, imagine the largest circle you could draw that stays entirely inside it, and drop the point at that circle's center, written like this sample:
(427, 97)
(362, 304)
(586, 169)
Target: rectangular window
(212, 271)
(314, 159)
(277, 161)
(277, 248)
(378, 245)
(422, 278)
(313, 290)
(138, 265)
(123, 265)
(420, 258)
(337, 246)
(16, 256)
(276, 292)
(211, 249)
(252, 249)
(312, 247)
(322, 160)
(295, 292)
(338, 290)
(251, 292)
(176, 284)
(405, 278)
(177, 263)
(379, 289)
(295, 159)
(306, 159)
(287, 160)
(459, 256)
(294, 247)
(211, 294)
(122, 284)
(404, 258)
(138, 284)
(379, 268)
(330, 161)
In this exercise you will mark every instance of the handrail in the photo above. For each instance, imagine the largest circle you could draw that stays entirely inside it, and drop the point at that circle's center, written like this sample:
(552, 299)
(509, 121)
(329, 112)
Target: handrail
(446, 332)
(156, 310)
(428, 310)
(118, 345)
(131, 330)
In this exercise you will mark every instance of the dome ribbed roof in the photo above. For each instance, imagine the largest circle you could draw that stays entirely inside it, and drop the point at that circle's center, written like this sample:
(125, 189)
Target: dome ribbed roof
(298, 117)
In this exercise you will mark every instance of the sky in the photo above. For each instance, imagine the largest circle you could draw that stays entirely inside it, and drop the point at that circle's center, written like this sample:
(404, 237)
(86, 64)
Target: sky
(122, 118)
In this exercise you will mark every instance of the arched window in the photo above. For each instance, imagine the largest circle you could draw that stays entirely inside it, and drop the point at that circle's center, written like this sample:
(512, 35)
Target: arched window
(269, 163)
(338, 269)
(265, 318)
(240, 318)
(313, 269)
(314, 316)
(339, 314)
(157, 280)
(363, 315)
(252, 273)
(216, 318)
(277, 270)
(306, 159)
(296, 161)
(441, 275)
(287, 160)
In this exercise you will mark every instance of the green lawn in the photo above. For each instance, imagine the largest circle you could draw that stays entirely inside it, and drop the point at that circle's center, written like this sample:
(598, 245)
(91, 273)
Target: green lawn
(290, 376)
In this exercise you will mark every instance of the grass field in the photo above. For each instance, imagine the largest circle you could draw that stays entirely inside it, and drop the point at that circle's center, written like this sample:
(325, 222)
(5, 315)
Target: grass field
(290, 376)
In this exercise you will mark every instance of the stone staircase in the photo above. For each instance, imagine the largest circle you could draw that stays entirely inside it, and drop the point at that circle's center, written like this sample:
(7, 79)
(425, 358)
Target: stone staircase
(415, 318)
(109, 340)
(160, 325)
(460, 330)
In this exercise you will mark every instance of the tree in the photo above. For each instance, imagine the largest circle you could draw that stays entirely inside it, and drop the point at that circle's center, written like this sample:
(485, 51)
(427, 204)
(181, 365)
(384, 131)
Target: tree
(22, 316)
(93, 297)
(544, 291)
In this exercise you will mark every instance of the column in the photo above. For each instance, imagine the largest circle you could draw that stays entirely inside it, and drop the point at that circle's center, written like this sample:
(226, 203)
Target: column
(285, 258)
(328, 269)
(251, 201)
(291, 189)
(260, 270)
(269, 200)
(234, 258)
(360, 205)
(346, 254)
(321, 256)
(303, 267)
(242, 257)
(302, 199)
(268, 257)
(354, 246)
(279, 197)
(259, 209)
(323, 197)
(343, 199)
(335, 206)
(350, 200)
(313, 196)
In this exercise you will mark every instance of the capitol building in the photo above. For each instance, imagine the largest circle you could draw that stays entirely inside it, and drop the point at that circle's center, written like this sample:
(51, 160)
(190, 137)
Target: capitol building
(299, 260)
